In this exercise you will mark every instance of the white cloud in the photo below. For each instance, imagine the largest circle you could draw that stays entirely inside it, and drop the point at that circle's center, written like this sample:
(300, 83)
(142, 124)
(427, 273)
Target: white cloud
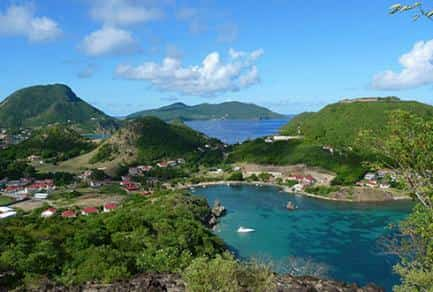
(109, 40)
(124, 12)
(20, 20)
(417, 69)
(211, 77)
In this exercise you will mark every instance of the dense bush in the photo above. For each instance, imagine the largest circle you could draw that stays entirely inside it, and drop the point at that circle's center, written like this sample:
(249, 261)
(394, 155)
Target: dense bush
(224, 273)
(141, 236)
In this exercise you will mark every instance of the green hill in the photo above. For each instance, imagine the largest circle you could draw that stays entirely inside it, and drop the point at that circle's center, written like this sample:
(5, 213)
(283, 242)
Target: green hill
(51, 142)
(206, 111)
(49, 104)
(147, 140)
(339, 124)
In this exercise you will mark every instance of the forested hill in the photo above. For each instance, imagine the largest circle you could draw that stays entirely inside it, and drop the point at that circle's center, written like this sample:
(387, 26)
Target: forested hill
(339, 123)
(49, 104)
(206, 111)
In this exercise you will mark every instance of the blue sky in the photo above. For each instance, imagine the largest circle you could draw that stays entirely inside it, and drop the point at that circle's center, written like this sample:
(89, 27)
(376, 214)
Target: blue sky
(291, 56)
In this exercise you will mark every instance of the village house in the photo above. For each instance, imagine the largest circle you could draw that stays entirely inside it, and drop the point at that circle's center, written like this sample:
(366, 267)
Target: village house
(40, 196)
(6, 212)
(370, 176)
(89, 210)
(85, 175)
(48, 213)
(41, 185)
(162, 164)
(301, 179)
(131, 186)
(69, 214)
(108, 207)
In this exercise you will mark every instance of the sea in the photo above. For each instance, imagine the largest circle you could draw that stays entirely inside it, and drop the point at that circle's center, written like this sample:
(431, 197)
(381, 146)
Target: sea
(336, 240)
(237, 131)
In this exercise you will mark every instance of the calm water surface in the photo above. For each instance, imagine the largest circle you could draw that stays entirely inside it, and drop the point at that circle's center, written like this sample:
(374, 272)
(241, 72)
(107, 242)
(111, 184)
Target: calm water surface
(342, 238)
(234, 131)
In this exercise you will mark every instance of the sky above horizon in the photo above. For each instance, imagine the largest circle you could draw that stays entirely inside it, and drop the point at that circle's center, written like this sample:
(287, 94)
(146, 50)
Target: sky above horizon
(291, 56)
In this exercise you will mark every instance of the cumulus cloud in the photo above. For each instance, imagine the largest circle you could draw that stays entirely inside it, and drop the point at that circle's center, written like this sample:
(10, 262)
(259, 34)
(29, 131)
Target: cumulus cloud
(20, 20)
(124, 12)
(417, 69)
(109, 40)
(213, 76)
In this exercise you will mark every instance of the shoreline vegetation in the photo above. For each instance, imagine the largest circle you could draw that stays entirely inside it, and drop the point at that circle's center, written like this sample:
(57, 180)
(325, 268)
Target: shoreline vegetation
(288, 190)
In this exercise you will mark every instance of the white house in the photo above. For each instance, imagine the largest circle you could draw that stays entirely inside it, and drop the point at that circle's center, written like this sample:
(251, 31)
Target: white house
(40, 196)
(48, 213)
(6, 212)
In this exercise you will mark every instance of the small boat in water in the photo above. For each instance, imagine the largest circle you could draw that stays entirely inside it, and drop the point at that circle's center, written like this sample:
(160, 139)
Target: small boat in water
(245, 230)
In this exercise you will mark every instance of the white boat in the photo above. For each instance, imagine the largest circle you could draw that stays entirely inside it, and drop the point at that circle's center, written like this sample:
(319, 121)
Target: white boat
(245, 230)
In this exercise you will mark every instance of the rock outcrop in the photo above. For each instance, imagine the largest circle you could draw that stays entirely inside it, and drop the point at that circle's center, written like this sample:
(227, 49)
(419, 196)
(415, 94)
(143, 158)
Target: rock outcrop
(217, 211)
(173, 283)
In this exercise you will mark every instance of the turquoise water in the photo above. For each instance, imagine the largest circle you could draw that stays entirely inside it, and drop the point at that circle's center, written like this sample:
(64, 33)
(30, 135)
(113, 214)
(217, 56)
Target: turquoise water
(234, 131)
(341, 239)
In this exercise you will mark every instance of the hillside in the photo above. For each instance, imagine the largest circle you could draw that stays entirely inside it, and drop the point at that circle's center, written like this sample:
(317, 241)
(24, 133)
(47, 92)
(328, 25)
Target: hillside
(51, 142)
(146, 140)
(348, 167)
(49, 104)
(338, 124)
(206, 111)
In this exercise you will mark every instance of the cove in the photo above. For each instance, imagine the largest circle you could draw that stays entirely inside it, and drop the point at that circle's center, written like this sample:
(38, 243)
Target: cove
(343, 239)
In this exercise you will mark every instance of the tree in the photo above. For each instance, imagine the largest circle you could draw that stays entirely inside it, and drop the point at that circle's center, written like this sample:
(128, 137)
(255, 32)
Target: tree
(406, 145)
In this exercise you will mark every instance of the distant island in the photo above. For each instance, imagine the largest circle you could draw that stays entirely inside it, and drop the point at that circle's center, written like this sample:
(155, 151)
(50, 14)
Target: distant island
(205, 111)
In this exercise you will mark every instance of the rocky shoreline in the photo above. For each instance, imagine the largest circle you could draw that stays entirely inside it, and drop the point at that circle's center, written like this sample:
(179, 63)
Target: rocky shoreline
(173, 283)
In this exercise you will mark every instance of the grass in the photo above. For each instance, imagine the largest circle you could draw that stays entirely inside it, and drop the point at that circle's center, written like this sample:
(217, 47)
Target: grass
(5, 200)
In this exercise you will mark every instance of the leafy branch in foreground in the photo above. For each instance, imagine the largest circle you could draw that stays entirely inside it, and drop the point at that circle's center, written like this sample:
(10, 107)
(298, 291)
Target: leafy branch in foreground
(406, 145)
(418, 6)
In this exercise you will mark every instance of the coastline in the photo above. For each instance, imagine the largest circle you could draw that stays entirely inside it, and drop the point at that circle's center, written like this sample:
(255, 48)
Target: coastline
(288, 191)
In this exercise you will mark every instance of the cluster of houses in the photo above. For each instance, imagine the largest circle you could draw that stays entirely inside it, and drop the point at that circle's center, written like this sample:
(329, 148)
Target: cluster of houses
(7, 138)
(379, 179)
(140, 170)
(69, 213)
(303, 181)
(26, 187)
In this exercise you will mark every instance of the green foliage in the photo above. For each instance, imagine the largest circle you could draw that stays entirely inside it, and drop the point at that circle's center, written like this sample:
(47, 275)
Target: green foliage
(264, 176)
(224, 273)
(53, 142)
(322, 190)
(416, 252)
(406, 143)
(105, 152)
(5, 200)
(236, 176)
(347, 166)
(164, 234)
(43, 105)
(98, 175)
(205, 111)
(339, 124)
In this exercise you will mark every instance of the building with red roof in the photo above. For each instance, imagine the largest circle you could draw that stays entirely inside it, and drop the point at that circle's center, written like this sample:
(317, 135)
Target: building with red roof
(89, 210)
(69, 214)
(108, 207)
(48, 212)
